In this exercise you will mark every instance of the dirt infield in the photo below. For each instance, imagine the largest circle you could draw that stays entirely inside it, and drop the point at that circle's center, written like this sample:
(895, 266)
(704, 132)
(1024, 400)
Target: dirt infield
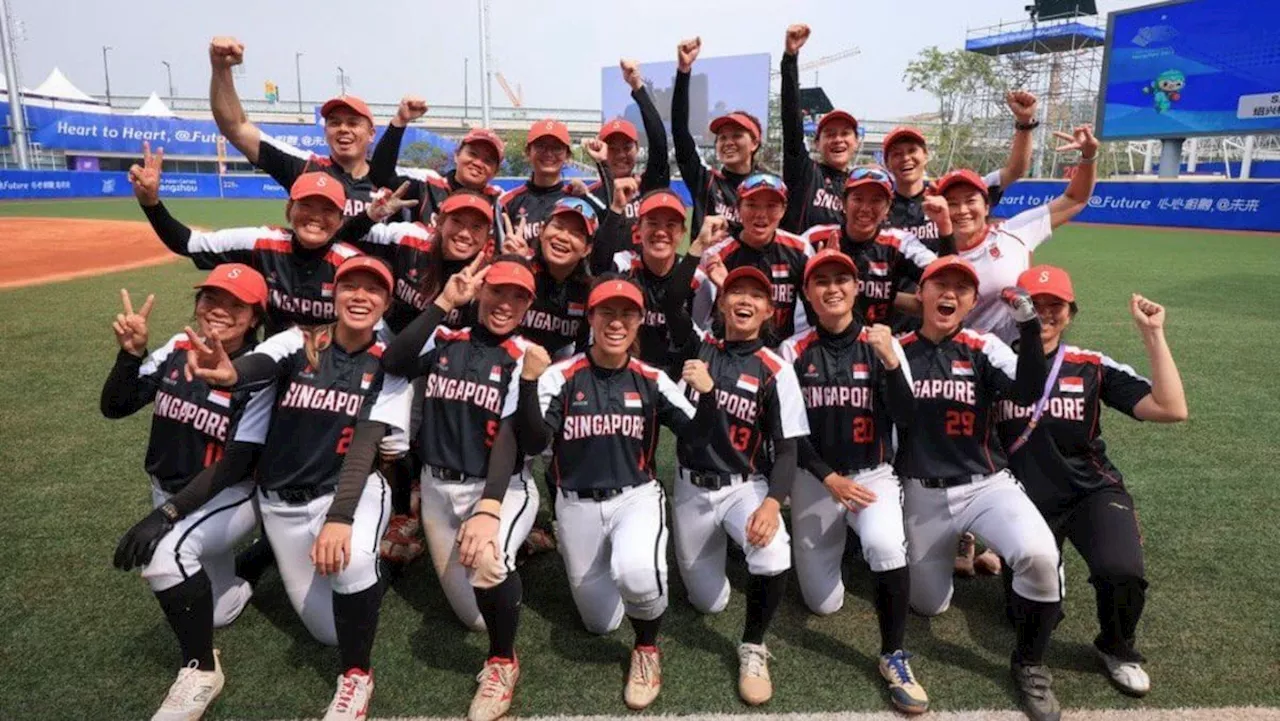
(34, 251)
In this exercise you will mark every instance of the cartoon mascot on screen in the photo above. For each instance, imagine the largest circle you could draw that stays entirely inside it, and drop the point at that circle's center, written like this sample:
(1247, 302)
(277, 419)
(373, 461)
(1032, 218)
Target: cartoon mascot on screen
(1166, 89)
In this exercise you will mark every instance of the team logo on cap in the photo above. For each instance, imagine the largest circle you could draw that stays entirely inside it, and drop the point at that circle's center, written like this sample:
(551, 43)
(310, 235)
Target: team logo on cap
(1044, 276)
(233, 273)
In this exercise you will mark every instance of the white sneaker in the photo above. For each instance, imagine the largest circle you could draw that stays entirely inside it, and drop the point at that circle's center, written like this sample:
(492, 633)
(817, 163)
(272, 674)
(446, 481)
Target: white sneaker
(1127, 675)
(754, 685)
(351, 699)
(192, 692)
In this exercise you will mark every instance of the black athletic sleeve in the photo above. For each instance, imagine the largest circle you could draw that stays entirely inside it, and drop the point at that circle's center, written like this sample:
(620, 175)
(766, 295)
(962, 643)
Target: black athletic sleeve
(401, 357)
(695, 430)
(354, 229)
(125, 393)
(657, 167)
(811, 461)
(898, 397)
(283, 166)
(1033, 367)
(172, 232)
(674, 306)
(532, 431)
(382, 165)
(691, 168)
(502, 460)
(947, 245)
(798, 168)
(612, 237)
(783, 474)
(237, 461)
(255, 369)
(356, 467)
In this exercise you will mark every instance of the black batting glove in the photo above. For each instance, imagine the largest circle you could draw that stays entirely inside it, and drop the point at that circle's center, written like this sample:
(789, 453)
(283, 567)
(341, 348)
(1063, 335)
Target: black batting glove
(139, 543)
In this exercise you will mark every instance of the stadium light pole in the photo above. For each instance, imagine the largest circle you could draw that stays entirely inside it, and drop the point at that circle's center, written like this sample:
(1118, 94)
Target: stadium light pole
(17, 116)
(297, 74)
(466, 69)
(342, 81)
(484, 62)
(106, 72)
(168, 71)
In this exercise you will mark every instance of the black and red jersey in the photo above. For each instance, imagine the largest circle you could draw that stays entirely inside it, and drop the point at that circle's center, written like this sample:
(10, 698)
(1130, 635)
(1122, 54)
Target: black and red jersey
(604, 421)
(782, 260)
(1065, 456)
(757, 402)
(299, 280)
(312, 414)
(472, 384)
(533, 205)
(815, 191)
(409, 248)
(714, 192)
(284, 163)
(557, 320)
(907, 212)
(190, 420)
(845, 389)
(434, 188)
(656, 345)
(957, 383)
(883, 262)
(657, 167)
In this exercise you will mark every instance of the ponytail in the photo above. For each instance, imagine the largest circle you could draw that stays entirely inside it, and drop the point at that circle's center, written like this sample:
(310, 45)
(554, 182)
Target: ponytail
(316, 339)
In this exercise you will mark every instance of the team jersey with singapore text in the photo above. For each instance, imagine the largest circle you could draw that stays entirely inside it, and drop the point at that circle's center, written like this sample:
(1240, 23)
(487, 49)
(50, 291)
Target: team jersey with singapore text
(604, 421)
(956, 383)
(883, 262)
(908, 213)
(299, 280)
(713, 191)
(472, 384)
(844, 386)
(1065, 456)
(557, 320)
(656, 345)
(757, 401)
(532, 205)
(815, 191)
(782, 260)
(190, 420)
(284, 163)
(409, 248)
(315, 410)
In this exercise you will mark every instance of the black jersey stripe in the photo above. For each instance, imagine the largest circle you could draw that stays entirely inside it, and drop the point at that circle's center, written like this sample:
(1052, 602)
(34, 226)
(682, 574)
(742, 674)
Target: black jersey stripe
(511, 531)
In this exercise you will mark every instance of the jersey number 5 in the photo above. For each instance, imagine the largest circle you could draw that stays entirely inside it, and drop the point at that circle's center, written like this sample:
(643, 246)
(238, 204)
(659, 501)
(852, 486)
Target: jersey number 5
(960, 423)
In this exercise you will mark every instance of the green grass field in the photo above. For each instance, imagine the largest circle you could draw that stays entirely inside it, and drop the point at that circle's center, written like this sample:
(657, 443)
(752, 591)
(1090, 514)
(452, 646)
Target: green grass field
(79, 640)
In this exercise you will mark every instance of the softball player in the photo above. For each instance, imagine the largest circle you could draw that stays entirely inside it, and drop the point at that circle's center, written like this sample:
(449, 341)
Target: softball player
(954, 472)
(781, 256)
(348, 130)
(1056, 450)
(727, 485)
(191, 571)
(476, 162)
(738, 138)
(623, 143)
(530, 205)
(906, 155)
(816, 186)
(857, 387)
(885, 257)
(1001, 252)
(298, 262)
(478, 502)
(600, 411)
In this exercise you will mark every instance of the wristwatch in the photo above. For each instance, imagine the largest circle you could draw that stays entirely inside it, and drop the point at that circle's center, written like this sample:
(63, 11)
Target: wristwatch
(1027, 126)
(170, 512)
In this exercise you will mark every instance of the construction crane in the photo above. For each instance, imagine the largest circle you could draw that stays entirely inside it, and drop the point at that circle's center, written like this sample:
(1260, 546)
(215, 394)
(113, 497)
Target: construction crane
(515, 96)
(820, 62)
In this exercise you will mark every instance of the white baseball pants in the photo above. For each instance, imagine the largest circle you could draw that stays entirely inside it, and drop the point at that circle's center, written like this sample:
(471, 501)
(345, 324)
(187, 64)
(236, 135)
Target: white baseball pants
(292, 530)
(818, 522)
(704, 520)
(615, 554)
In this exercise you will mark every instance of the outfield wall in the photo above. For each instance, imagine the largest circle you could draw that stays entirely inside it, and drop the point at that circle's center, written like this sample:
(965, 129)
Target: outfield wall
(1212, 205)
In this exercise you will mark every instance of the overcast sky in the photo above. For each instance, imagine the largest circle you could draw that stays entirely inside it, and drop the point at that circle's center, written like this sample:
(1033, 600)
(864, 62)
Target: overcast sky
(553, 48)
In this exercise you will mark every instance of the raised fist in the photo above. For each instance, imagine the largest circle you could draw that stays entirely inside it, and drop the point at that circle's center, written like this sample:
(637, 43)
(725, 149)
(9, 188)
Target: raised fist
(1022, 104)
(596, 148)
(1147, 314)
(797, 36)
(536, 360)
(687, 52)
(631, 73)
(714, 229)
(411, 108)
(696, 375)
(880, 338)
(624, 190)
(225, 52)
(1019, 302)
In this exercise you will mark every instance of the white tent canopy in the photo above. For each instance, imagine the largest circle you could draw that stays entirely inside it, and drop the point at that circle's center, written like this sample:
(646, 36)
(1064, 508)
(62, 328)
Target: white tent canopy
(58, 87)
(154, 107)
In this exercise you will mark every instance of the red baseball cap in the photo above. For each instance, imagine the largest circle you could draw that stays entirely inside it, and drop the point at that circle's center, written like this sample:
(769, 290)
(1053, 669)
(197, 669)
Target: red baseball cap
(548, 128)
(740, 119)
(356, 105)
(239, 280)
(367, 263)
(903, 133)
(319, 184)
(829, 255)
(663, 199)
(757, 183)
(1047, 280)
(488, 137)
(960, 177)
(509, 272)
(467, 200)
(869, 175)
(608, 290)
(748, 272)
(580, 208)
(838, 115)
(619, 126)
(948, 262)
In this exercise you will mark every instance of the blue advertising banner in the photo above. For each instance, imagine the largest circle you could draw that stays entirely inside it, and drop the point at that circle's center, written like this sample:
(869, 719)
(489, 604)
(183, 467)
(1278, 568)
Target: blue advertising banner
(1192, 67)
(1210, 205)
(716, 86)
(76, 131)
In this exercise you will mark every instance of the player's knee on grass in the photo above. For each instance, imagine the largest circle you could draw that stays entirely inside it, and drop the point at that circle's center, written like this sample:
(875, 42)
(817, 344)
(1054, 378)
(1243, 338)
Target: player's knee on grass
(602, 621)
(643, 592)
(772, 559)
(931, 587)
(708, 598)
(490, 571)
(167, 564)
